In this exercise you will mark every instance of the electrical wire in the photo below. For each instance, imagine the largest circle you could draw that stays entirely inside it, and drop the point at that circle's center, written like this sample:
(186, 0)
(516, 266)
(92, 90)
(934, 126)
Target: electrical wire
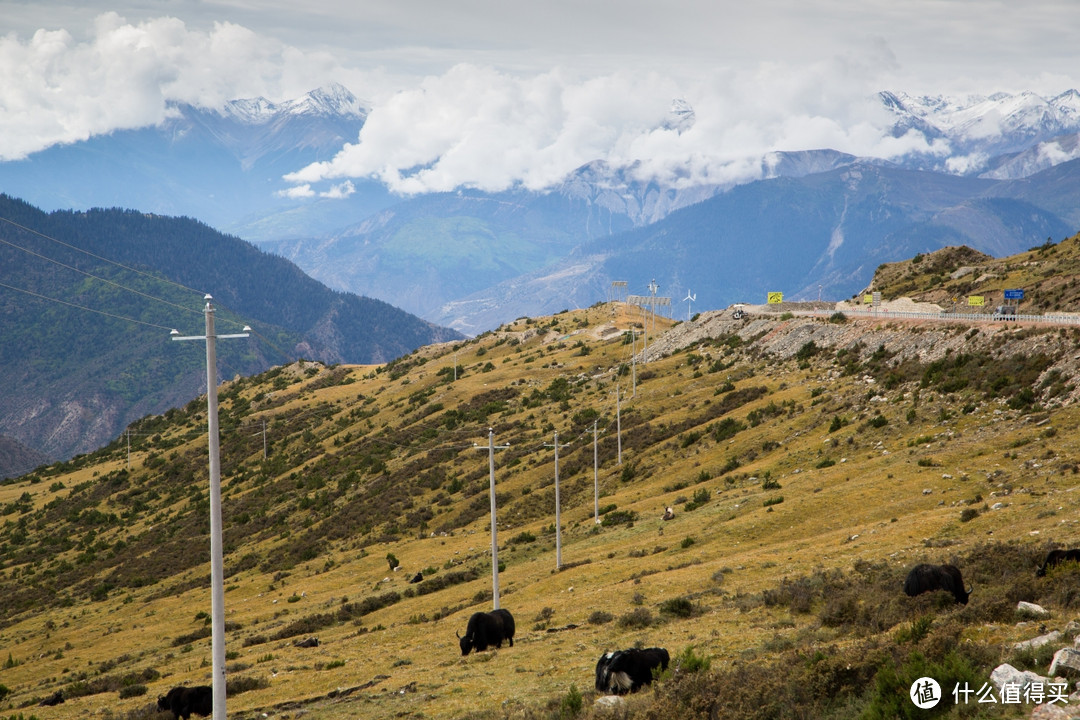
(98, 257)
(82, 307)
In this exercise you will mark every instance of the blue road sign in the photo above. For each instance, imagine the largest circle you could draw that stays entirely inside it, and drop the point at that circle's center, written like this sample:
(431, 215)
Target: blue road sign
(1014, 294)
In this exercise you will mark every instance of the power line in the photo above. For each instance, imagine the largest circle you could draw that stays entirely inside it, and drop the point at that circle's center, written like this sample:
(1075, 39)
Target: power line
(99, 257)
(82, 307)
(156, 278)
(95, 277)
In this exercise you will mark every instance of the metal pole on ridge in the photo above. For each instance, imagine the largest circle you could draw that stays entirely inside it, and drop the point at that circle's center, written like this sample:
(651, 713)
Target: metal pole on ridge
(217, 573)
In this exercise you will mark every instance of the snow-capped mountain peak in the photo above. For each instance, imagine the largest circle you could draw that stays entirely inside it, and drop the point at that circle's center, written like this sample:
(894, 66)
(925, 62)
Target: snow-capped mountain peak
(980, 128)
(333, 100)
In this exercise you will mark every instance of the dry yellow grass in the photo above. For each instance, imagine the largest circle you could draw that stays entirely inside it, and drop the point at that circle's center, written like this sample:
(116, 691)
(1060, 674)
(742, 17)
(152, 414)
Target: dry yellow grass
(876, 502)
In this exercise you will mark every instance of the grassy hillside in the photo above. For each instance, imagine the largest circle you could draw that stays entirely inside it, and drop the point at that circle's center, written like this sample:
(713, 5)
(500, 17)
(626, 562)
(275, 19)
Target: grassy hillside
(1048, 274)
(810, 464)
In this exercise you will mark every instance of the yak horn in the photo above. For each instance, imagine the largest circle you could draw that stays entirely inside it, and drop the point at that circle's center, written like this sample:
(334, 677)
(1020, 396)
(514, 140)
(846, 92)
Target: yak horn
(458, 634)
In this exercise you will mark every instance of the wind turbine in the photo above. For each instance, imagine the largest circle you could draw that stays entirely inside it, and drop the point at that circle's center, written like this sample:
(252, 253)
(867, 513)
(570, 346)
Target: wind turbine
(689, 299)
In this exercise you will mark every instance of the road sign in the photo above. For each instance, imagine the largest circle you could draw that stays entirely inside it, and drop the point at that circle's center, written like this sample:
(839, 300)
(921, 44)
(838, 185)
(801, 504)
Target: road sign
(1014, 294)
(775, 298)
(975, 300)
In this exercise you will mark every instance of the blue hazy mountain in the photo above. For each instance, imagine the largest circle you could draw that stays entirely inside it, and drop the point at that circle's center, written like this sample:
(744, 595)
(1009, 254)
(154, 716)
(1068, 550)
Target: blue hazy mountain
(86, 340)
(471, 259)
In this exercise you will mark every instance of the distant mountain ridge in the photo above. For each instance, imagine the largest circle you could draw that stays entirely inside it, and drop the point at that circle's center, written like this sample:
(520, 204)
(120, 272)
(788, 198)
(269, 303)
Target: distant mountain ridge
(980, 130)
(76, 377)
(820, 234)
(466, 258)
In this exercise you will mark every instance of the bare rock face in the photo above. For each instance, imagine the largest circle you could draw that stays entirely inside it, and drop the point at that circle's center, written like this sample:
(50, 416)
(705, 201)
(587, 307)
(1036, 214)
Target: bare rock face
(1066, 663)
(1006, 674)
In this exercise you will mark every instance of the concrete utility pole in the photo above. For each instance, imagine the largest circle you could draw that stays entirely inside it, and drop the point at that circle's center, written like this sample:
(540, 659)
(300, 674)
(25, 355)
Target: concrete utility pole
(596, 477)
(217, 573)
(618, 421)
(491, 448)
(558, 517)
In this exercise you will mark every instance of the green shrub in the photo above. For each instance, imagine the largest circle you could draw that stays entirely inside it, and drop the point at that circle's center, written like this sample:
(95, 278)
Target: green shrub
(636, 618)
(916, 631)
(571, 704)
(890, 697)
(690, 662)
(522, 538)
(681, 607)
(619, 517)
(235, 686)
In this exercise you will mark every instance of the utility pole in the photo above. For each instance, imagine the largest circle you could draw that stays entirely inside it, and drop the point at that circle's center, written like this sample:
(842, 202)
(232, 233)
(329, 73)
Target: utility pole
(217, 573)
(558, 517)
(618, 422)
(645, 336)
(596, 477)
(653, 287)
(264, 438)
(491, 448)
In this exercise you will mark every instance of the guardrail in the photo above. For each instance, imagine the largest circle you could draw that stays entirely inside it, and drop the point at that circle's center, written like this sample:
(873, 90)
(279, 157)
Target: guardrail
(945, 316)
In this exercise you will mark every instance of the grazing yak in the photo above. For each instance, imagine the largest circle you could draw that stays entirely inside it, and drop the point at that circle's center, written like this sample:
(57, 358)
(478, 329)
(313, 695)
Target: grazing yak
(1057, 556)
(487, 628)
(927, 578)
(55, 699)
(624, 671)
(183, 701)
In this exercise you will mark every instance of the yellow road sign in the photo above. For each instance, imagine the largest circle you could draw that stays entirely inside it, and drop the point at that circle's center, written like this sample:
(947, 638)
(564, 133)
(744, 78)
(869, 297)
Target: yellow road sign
(775, 298)
(975, 300)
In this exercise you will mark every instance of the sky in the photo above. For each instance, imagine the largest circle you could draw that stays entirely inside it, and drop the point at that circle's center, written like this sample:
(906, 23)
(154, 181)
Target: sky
(496, 93)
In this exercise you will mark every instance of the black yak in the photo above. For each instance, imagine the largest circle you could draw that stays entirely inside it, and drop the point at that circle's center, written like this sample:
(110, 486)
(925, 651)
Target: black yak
(183, 701)
(1057, 556)
(926, 578)
(487, 628)
(623, 671)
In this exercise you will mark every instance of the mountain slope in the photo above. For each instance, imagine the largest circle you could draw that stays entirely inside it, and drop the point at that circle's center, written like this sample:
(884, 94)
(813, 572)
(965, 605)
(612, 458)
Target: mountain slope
(79, 377)
(223, 168)
(471, 259)
(810, 463)
(823, 233)
(425, 250)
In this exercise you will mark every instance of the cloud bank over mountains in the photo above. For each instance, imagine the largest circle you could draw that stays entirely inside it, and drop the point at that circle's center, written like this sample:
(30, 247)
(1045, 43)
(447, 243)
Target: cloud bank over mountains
(467, 125)
(481, 128)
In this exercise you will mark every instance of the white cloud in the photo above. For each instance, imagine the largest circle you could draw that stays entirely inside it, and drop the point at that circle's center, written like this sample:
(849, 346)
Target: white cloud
(1052, 153)
(491, 113)
(475, 126)
(297, 192)
(54, 89)
(342, 190)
